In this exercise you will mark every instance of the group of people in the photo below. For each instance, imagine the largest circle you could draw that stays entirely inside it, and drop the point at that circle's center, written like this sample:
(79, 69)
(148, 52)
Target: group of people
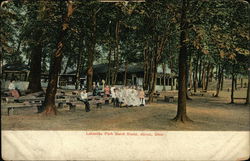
(126, 96)
(121, 96)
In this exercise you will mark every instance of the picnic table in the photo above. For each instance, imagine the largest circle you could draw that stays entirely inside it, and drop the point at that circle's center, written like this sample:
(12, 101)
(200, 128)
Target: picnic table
(169, 99)
(22, 99)
(197, 93)
(12, 107)
(97, 100)
(239, 98)
(31, 100)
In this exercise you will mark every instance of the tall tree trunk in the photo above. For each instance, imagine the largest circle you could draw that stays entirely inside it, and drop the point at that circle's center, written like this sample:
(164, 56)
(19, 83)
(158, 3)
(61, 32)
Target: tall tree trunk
(195, 75)
(160, 43)
(171, 66)
(190, 75)
(35, 69)
(172, 78)
(49, 102)
(164, 76)
(218, 82)
(150, 80)
(200, 73)
(44, 63)
(207, 76)
(90, 61)
(153, 78)
(235, 83)
(232, 90)
(248, 90)
(145, 75)
(91, 52)
(146, 67)
(241, 82)
(79, 64)
(36, 54)
(19, 44)
(66, 66)
(36, 58)
(114, 69)
(173, 83)
(125, 73)
(1, 64)
(203, 76)
(222, 78)
(116, 53)
(222, 81)
(109, 66)
(211, 75)
(181, 110)
(248, 87)
(187, 73)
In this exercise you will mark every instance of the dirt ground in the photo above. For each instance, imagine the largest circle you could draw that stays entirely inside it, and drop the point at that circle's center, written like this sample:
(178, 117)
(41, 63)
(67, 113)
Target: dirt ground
(207, 112)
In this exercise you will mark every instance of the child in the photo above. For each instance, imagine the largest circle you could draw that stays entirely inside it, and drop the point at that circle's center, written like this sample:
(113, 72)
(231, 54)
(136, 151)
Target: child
(107, 91)
(141, 95)
(13, 91)
(114, 97)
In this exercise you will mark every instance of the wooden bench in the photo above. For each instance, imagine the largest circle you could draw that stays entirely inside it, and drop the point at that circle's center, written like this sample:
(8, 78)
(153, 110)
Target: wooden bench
(62, 102)
(8, 99)
(71, 98)
(10, 109)
(60, 92)
(196, 94)
(60, 97)
(72, 106)
(97, 100)
(107, 99)
(31, 100)
(238, 98)
(98, 103)
(155, 99)
(21, 100)
(157, 95)
(74, 93)
(169, 99)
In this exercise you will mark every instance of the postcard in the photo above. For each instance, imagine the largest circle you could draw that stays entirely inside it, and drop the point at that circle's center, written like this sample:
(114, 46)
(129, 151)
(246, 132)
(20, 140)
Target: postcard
(125, 80)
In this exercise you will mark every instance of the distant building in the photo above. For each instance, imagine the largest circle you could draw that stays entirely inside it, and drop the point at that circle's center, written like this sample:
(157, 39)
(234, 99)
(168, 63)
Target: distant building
(16, 71)
(135, 74)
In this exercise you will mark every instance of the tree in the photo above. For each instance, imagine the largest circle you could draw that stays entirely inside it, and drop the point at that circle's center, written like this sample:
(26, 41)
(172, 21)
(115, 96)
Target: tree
(10, 23)
(248, 87)
(36, 53)
(49, 102)
(91, 43)
(233, 81)
(181, 110)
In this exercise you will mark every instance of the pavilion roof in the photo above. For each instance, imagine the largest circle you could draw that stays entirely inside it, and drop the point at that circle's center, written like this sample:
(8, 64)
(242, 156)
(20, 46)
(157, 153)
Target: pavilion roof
(17, 67)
